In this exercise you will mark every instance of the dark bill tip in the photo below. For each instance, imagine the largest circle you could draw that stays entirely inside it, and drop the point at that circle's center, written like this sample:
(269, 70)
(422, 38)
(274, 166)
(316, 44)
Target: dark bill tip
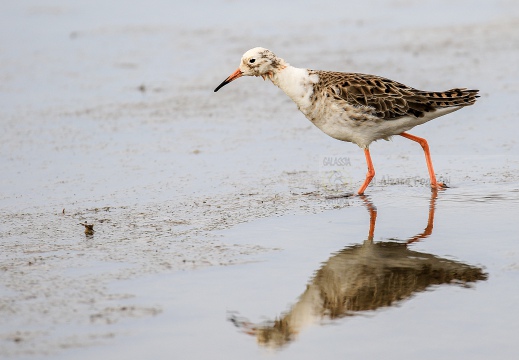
(225, 82)
(232, 77)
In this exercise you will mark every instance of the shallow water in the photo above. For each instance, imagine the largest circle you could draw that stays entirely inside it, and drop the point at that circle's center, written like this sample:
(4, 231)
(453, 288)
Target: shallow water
(450, 292)
(212, 212)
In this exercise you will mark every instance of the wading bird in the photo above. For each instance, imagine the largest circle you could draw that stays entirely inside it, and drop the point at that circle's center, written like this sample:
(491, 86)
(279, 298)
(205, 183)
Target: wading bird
(355, 107)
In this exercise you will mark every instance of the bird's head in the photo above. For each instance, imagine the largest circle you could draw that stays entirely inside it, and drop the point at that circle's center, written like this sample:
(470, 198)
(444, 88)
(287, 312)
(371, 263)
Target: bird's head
(256, 62)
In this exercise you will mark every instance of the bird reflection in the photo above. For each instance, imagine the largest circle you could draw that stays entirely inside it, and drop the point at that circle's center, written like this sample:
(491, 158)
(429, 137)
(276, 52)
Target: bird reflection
(363, 277)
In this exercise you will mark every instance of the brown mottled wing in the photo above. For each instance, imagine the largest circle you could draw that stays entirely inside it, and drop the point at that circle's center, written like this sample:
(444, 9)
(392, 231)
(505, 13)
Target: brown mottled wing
(389, 99)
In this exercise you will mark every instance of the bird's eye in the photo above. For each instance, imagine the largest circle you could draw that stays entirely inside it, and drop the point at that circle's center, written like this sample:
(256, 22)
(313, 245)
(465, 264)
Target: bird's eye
(252, 61)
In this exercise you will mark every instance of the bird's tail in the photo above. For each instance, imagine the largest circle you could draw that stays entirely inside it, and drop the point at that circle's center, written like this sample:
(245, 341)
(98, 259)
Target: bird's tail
(449, 98)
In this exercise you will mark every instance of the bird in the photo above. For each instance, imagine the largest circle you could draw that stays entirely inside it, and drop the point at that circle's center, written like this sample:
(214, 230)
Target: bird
(354, 107)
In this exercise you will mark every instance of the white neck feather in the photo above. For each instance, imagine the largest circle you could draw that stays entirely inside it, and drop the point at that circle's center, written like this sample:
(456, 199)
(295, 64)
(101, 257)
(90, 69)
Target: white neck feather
(297, 83)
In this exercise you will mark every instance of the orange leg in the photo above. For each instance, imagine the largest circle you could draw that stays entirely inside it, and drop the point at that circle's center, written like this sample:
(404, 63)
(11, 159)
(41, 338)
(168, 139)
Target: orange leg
(425, 147)
(369, 175)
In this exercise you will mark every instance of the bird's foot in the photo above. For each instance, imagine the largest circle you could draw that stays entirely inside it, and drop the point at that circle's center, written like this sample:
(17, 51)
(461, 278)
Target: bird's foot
(438, 186)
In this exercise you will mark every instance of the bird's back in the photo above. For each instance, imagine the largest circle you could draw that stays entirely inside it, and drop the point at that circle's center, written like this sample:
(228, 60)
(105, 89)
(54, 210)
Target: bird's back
(388, 99)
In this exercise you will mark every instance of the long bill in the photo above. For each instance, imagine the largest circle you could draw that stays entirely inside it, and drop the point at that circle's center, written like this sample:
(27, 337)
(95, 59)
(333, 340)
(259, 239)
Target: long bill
(232, 77)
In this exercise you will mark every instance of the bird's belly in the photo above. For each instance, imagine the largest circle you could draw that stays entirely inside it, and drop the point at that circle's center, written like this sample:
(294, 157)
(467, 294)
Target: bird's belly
(344, 124)
(338, 129)
(352, 125)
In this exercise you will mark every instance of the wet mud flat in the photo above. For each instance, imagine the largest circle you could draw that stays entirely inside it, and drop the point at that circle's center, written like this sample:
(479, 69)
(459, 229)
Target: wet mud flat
(399, 272)
(215, 217)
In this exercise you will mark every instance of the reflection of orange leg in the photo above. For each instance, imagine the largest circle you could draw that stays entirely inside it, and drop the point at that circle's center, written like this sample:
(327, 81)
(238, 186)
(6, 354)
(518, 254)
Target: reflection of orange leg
(372, 217)
(430, 222)
(425, 147)
(372, 221)
(370, 174)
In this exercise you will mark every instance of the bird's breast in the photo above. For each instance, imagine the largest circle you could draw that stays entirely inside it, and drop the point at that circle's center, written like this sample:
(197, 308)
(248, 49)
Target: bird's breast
(337, 119)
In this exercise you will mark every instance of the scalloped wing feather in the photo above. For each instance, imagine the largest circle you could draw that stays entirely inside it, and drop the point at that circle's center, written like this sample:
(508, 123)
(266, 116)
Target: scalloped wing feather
(389, 99)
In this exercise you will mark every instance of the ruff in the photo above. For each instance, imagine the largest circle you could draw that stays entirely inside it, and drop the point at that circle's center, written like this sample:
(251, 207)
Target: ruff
(354, 107)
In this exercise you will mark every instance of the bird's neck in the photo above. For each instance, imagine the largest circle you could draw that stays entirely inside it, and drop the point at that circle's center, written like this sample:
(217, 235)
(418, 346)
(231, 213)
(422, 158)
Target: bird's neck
(297, 83)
